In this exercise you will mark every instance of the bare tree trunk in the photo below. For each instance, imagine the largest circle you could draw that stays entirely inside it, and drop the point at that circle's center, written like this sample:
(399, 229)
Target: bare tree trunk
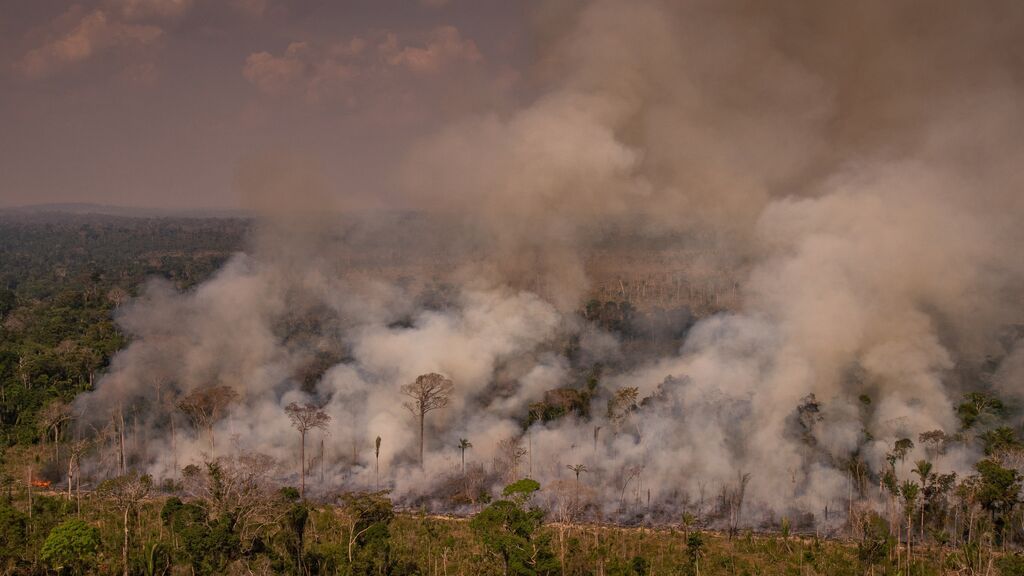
(123, 464)
(71, 461)
(302, 465)
(529, 440)
(174, 449)
(30, 492)
(423, 416)
(124, 549)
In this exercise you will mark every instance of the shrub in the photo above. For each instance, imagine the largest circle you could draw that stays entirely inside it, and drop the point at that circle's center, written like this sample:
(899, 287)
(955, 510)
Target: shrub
(71, 547)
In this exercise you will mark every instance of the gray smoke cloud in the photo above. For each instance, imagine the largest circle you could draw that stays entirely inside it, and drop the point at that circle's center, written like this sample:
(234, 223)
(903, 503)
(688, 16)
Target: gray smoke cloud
(861, 160)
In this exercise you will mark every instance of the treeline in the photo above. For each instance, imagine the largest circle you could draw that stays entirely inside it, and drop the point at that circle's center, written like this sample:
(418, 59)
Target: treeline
(61, 277)
(228, 518)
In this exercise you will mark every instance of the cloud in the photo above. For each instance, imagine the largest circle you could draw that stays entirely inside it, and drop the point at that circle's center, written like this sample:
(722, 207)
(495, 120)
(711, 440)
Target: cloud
(80, 37)
(325, 70)
(306, 67)
(134, 10)
(445, 46)
(251, 8)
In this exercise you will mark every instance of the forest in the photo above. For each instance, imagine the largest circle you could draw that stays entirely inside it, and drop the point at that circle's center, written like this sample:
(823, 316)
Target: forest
(80, 502)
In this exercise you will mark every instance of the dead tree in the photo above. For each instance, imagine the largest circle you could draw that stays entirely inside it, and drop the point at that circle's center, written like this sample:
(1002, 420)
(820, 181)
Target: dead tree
(304, 418)
(510, 454)
(206, 406)
(733, 499)
(77, 449)
(428, 393)
(126, 492)
(51, 419)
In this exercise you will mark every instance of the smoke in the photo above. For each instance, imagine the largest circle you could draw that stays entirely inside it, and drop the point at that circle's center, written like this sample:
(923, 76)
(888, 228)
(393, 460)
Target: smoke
(860, 159)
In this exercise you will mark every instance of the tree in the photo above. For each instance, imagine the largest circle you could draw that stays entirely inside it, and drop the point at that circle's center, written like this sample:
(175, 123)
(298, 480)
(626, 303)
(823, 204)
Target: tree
(998, 440)
(978, 407)
(376, 455)
(428, 393)
(237, 492)
(909, 491)
(620, 405)
(923, 469)
(464, 445)
(509, 454)
(368, 517)
(51, 419)
(695, 550)
(902, 447)
(13, 532)
(511, 531)
(71, 546)
(208, 543)
(126, 492)
(304, 418)
(998, 491)
(577, 468)
(78, 448)
(205, 406)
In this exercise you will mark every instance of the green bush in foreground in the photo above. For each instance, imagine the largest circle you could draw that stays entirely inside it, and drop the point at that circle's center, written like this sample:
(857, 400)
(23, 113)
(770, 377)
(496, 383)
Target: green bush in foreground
(71, 547)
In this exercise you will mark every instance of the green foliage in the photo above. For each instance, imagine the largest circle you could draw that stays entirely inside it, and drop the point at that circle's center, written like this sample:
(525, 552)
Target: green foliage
(511, 530)
(976, 407)
(13, 532)
(640, 566)
(157, 560)
(1011, 565)
(64, 275)
(521, 490)
(999, 439)
(998, 491)
(289, 493)
(876, 542)
(370, 516)
(695, 547)
(71, 547)
(207, 545)
(293, 536)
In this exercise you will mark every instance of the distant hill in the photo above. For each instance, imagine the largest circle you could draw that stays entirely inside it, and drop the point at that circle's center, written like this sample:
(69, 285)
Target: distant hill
(84, 208)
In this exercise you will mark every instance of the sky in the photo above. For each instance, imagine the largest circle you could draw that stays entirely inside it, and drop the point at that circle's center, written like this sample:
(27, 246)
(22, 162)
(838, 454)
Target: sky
(157, 103)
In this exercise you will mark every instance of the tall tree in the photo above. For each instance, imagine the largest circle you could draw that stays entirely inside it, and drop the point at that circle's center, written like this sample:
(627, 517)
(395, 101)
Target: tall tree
(127, 492)
(206, 406)
(464, 445)
(305, 417)
(577, 468)
(51, 419)
(376, 455)
(428, 393)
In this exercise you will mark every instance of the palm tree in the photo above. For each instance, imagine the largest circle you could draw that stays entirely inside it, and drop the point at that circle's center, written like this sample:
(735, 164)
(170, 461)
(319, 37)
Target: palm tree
(909, 491)
(376, 454)
(463, 445)
(577, 468)
(924, 471)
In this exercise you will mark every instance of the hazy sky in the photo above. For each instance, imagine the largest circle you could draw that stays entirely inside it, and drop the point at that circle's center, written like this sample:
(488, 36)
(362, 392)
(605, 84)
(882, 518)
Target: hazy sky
(156, 103)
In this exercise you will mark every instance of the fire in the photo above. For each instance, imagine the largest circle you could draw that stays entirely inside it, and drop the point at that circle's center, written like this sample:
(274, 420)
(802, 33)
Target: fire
(41, 483)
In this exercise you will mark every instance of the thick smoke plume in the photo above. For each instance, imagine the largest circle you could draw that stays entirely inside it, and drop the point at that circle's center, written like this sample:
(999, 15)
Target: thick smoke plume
(858, 160)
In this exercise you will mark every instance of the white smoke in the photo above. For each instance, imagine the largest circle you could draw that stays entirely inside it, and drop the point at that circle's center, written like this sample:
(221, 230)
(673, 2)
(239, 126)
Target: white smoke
(867, 181)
